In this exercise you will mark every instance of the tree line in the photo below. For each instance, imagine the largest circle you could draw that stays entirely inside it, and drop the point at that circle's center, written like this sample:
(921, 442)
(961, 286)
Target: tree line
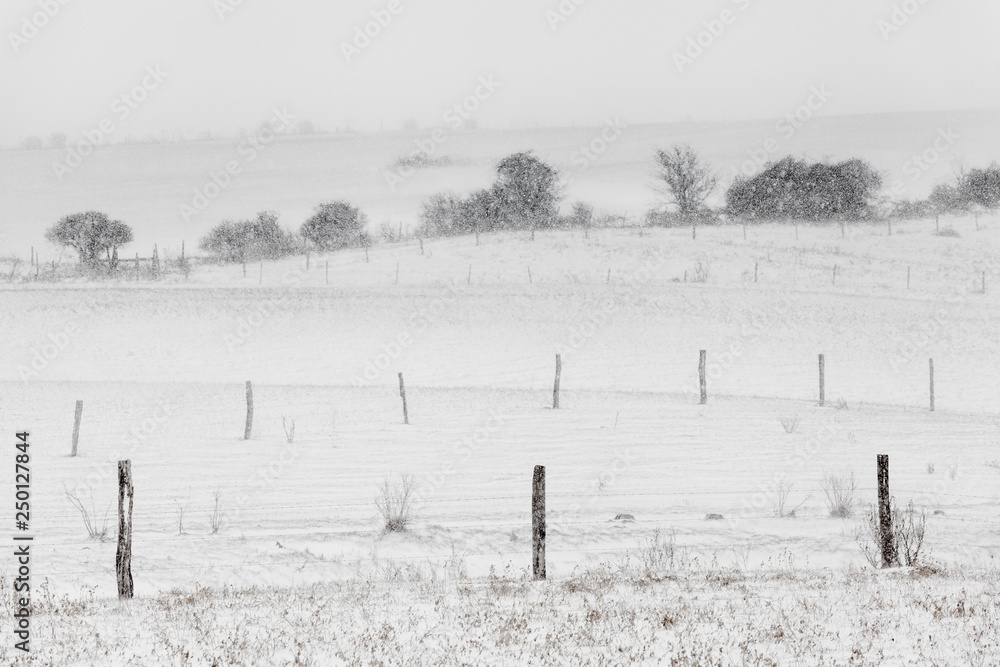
(526, 195)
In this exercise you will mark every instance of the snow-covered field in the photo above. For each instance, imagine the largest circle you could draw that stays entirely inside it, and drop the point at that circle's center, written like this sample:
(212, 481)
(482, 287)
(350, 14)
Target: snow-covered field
(161, 367)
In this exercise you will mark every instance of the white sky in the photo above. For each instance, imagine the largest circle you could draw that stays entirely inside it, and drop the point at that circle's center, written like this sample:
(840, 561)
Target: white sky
(611, 57)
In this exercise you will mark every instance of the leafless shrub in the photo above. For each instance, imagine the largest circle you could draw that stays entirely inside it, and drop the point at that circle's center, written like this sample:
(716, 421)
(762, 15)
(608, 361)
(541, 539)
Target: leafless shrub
(908, 531)
(995, 464)
(930, 468)
(949, 232)
(657, 554)
(395, 504)
(790, 424)
(781, 504)
(89, 517)
(216, 516)
(840, 490)
(953, 471)
(701, 273)
(289, 426)
(841, 404)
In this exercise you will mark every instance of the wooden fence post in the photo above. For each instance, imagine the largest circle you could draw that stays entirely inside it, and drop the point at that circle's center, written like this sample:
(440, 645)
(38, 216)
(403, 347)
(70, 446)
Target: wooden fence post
(888, 547)
(834, 274)
(249, 426)
(555, 388)
(402, 394)
(260, 278)
(76, 425)
(123, 558)
(538, 523)
(755, 271)
(327, 272)
(397, 273)
(529, 276)
(468, 279)
(702, 357)
(931, 364)
(822, 380)
(694, 232)
(907, 277)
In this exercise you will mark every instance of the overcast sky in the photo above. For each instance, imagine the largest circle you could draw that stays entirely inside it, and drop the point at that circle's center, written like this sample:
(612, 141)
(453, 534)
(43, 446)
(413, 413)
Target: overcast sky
(226, 69)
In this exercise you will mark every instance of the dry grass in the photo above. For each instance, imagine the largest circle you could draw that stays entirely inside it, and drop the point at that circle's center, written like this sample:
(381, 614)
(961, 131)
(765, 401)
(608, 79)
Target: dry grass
(603, 616)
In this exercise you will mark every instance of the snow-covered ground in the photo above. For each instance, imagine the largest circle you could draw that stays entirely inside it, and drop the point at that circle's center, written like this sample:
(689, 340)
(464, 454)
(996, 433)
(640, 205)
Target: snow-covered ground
(161, 368)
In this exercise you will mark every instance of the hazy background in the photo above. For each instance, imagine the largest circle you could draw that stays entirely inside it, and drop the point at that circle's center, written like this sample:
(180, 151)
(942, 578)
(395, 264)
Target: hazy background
(561, 76)
(606, 58)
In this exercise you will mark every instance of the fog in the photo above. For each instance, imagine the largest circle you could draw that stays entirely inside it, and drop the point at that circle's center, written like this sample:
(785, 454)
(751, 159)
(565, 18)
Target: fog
(225, 64)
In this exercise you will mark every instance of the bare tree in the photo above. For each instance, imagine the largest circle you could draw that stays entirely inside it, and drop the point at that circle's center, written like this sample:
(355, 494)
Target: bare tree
(687, 180)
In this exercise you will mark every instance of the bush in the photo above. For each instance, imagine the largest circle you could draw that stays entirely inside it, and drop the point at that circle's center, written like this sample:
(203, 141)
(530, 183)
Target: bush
(443, 215)
(581, 216)
(395, 504)
(908, 530)
(245, 240)
(840, 491)
(794, 189)
(687, 181)
(91, 235)
(336, 225)
(527, 192)
(524, 196)
(981, 187)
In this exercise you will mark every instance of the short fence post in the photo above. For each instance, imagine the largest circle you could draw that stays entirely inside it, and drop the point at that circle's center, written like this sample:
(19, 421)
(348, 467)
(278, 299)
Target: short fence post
(701, 376)
(538, 523)
(76, 425)
(468, 278)
(755, 271)
(834, 274)
(249, 426)
(931, 368)
(402, 394)
(907, 277)
(123, 558)
(328, 272)
(397, 273)
(555, 388)
(822, 380)
(885, 513)
(530, 281)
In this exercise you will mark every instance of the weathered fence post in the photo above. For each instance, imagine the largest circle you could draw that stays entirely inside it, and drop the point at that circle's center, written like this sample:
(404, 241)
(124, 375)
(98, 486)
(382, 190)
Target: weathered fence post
(260, 278)
(249, 426)
(834, 274)
(530, 281)
(694, 232)
(907, 277)
(76, 425)
(397, 273)
(755, 271)
(421, 245)
(402, 394)
(468, 278)
(123, 558)
(555, 388)
(931, 368)
(538, 523)
(702, 358)
(327, 272)
(822, 380)
(885, 513)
